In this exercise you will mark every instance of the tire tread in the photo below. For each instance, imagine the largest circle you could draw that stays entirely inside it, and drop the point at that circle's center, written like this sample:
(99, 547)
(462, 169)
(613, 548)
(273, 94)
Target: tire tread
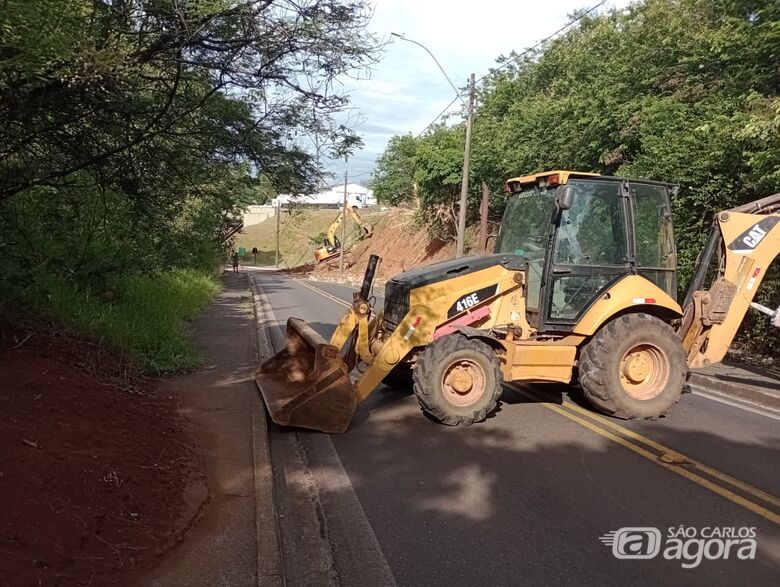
(424, 384)
(603, 389)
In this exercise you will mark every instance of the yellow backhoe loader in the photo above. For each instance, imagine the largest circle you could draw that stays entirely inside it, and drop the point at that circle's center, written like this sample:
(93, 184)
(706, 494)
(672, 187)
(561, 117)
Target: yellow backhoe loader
(581, 286)
(331, 246)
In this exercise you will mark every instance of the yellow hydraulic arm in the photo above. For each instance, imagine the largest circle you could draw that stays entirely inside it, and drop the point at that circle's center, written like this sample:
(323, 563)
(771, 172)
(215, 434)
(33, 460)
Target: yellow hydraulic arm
(331, 240)
(744, 240)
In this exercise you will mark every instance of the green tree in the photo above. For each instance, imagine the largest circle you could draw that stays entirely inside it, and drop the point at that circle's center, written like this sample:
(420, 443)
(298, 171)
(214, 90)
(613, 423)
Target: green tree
(132, 132)
(394, 174)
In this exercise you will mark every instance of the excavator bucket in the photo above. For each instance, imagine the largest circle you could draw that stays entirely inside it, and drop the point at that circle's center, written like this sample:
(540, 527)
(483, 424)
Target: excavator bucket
(307, 383)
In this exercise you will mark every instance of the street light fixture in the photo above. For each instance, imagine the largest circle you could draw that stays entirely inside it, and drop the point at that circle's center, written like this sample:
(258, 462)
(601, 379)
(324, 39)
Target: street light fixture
(464, 185)
(457, 92)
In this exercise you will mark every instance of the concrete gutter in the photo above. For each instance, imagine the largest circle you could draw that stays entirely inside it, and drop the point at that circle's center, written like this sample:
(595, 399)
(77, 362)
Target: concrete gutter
(270, 567)
(325, 535)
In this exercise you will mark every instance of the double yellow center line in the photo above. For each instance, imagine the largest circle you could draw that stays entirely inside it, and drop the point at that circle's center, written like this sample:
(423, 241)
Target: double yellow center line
(323, 293)
(738, 492)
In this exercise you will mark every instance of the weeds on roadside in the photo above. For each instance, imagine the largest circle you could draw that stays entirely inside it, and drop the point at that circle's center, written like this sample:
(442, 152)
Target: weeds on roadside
(144, 315)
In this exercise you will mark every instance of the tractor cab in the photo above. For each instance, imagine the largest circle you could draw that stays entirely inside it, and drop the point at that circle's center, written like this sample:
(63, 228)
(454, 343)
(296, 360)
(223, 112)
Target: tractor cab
(581, 233)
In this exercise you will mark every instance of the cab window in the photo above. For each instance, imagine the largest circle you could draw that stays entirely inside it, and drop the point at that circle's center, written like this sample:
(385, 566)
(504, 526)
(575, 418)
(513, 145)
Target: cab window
(590, 248)
(592, 231)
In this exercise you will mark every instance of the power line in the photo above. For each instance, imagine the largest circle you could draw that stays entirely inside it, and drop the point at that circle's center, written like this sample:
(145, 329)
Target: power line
(361, 174)
(514, 59)
(430, 124)
(543, 41)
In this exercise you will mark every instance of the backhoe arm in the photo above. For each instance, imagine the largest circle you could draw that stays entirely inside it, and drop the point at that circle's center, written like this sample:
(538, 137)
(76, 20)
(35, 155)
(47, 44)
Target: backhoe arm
(746, 240)
(364, 226)
(331, 240)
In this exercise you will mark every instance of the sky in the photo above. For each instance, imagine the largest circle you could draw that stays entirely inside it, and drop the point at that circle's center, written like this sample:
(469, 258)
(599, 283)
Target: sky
(406, 90)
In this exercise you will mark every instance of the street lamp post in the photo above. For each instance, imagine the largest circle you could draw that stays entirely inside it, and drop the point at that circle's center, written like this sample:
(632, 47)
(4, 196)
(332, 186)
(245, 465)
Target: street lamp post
(464, 184)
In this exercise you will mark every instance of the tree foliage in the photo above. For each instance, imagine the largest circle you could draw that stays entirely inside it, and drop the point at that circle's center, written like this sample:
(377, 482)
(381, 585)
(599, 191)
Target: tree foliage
(395, 170)
(131, 131)
(684, 91)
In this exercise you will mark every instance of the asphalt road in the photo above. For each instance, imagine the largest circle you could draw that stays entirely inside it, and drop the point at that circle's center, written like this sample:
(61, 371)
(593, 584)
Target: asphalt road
(524, 497)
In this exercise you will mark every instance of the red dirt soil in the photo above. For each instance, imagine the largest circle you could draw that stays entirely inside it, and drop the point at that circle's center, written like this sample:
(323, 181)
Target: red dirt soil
(399, 243)
(98, 477)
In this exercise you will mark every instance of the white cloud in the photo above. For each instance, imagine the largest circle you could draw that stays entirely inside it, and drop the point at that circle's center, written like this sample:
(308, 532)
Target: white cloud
(406, 90)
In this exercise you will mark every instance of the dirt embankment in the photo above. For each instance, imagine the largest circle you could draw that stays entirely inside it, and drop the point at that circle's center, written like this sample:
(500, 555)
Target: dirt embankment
(397, 240)
(300, 233)
(95, 471)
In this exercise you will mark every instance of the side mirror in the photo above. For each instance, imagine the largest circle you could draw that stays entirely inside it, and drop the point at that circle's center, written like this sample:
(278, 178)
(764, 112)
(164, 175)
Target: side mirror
(490, 237)
(565, 197)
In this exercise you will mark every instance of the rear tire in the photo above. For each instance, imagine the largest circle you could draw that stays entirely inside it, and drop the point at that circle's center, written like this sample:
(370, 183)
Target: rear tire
(457, 380)
(633, 368)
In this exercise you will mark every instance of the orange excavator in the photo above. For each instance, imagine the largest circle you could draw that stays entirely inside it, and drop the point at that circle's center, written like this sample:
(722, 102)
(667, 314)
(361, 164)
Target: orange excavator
(331, 246)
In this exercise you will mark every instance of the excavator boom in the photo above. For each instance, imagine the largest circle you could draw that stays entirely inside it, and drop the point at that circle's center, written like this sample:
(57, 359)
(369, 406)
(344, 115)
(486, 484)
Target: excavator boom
(744, 241)
(331, 247)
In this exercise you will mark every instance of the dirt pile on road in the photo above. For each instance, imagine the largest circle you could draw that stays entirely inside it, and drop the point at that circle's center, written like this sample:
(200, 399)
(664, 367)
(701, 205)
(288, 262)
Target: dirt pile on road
(98, 476)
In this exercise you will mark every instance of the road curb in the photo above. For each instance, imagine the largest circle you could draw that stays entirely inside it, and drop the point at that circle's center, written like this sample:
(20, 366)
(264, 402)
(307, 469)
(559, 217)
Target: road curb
(748, 393)
(270, 567)
(323, 526)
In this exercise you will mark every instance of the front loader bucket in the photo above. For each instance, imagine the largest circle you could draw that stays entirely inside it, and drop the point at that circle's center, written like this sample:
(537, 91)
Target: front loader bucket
(307, 383)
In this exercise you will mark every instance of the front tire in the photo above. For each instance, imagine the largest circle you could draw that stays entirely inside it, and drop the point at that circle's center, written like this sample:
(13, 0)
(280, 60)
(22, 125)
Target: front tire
(633, 368)
(457, 380)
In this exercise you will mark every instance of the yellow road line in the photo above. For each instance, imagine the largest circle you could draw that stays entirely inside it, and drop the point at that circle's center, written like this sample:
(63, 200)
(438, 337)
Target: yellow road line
(767, 497)
(566, 411)
(665, 449)
(599, 425)
(706, 483)
(323, 293)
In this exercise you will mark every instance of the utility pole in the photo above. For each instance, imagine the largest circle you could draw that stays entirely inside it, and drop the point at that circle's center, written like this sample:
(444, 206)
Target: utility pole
(278, 215)
(464, 186)
(484, 209)
(343, 225)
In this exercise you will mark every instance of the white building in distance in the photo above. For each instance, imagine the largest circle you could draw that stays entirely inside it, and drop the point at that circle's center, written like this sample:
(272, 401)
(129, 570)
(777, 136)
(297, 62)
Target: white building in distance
(357, 196)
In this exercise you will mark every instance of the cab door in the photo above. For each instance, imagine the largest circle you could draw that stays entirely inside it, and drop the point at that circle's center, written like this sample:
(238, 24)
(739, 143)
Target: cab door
(591, 250)
(655, 251)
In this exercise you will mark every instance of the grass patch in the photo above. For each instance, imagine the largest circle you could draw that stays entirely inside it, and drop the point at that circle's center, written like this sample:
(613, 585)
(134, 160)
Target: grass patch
(143, 315)
(299, 235)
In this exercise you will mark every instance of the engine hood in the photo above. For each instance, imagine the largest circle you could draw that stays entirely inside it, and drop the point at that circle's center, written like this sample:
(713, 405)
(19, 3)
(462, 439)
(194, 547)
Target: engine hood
(398, 289)
(428, 274)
